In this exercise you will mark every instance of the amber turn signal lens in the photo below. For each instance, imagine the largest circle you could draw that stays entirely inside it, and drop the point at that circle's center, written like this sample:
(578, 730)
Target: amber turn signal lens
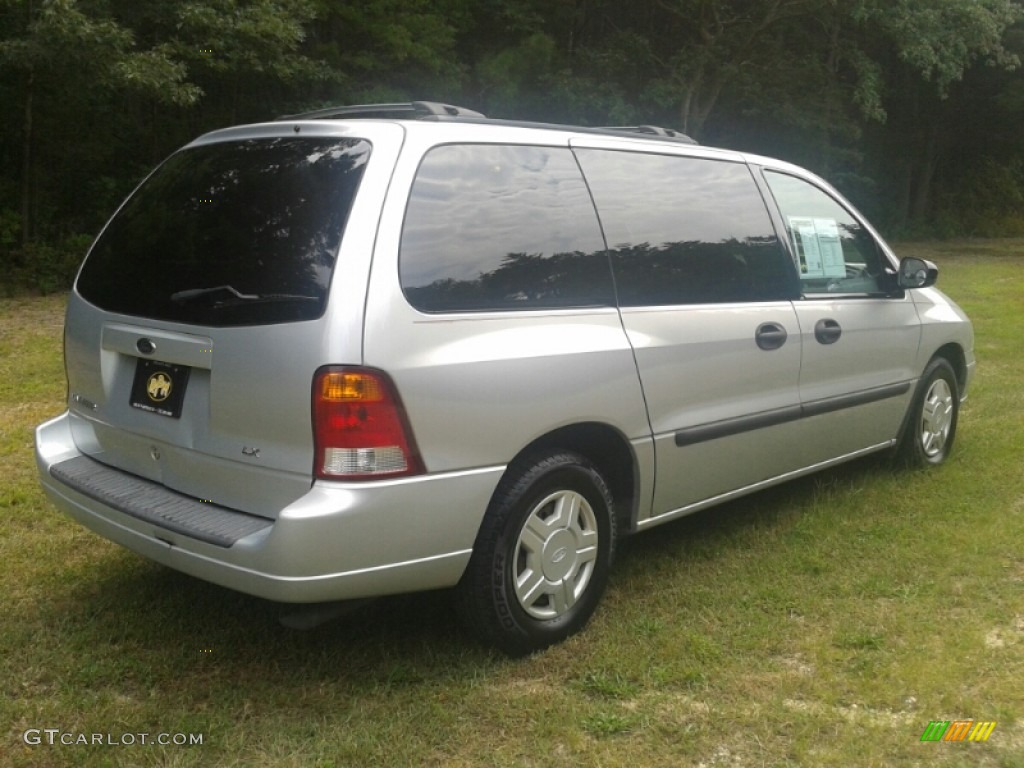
(350, 388)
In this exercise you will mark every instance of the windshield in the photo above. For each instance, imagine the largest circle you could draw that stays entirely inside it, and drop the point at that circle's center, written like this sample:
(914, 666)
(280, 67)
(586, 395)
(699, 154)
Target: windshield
(234, 233)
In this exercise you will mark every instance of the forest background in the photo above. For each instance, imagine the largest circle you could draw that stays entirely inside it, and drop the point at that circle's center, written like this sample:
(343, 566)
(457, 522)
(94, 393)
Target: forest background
(912, 108)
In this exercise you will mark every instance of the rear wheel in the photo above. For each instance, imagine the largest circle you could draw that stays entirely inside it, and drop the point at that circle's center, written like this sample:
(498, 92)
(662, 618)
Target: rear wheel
(931, 423)
(542, 556)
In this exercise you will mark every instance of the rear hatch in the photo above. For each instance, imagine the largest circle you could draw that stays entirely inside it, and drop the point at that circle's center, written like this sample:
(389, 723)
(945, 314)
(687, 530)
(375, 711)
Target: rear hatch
(201, 314)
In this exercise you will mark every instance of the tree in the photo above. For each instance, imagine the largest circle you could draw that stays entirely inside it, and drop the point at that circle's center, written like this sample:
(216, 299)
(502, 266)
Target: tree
(899, 101)
(59, 53)
(927, 47)
(389, 50)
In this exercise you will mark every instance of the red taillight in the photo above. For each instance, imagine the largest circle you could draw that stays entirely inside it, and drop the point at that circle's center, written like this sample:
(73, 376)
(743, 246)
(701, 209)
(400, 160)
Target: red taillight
(360, 430)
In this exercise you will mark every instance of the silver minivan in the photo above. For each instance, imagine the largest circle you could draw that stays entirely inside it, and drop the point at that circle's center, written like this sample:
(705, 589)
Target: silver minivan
(373, 350)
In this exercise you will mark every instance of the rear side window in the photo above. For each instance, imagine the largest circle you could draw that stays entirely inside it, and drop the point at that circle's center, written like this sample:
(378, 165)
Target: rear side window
(686, 230)
(233, 233)
(496, 227)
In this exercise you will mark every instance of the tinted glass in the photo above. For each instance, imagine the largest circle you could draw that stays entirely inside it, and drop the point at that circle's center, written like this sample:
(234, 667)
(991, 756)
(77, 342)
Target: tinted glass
(502, 227)
(234, 233)
(834, 253)
(685, 230)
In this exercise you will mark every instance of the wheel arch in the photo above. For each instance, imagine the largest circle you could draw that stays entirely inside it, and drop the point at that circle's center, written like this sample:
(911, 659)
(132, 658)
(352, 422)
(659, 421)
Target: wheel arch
(608, 450)
(953, 353)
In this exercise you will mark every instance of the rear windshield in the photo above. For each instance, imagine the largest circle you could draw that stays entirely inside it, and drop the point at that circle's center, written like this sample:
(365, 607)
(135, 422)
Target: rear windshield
(234, 233)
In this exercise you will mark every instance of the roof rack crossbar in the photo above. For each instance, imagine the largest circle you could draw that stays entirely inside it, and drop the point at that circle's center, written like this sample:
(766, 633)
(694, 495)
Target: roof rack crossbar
(419, 110)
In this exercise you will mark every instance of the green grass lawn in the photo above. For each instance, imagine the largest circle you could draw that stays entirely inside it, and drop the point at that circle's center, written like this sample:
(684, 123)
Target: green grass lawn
(821, 623)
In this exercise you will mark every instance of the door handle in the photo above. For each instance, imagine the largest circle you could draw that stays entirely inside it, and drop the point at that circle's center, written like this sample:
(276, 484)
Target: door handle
(770, 336)
(827, 331)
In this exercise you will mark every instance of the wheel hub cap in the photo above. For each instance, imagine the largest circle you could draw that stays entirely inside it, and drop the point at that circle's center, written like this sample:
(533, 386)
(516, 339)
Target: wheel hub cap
(559, 555)
(555, 554)
(936, 417)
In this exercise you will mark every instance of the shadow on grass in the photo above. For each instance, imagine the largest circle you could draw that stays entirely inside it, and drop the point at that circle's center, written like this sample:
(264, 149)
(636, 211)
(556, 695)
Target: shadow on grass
(705, 533)
(176, 626)
(129, 621)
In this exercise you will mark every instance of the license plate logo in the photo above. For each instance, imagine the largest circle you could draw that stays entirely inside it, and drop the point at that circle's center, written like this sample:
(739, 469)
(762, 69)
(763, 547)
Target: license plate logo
(159, 387)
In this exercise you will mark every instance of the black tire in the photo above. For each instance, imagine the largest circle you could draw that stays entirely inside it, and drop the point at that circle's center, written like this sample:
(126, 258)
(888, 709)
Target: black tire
(930, 427)
(542, 557)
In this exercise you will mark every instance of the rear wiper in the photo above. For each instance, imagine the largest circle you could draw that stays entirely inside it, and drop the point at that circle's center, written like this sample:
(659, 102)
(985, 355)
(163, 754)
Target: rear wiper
(237, 296)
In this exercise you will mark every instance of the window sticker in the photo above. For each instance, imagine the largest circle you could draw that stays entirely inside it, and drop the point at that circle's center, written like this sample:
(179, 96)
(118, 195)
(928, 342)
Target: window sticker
(818, 247)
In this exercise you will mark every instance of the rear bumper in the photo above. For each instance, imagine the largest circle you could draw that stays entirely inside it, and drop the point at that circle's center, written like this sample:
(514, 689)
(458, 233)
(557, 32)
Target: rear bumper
(339, 541)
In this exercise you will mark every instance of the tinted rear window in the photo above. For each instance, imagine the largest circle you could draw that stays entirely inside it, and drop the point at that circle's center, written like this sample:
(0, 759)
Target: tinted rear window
(236, 233)
(686, 230)
(495, 227)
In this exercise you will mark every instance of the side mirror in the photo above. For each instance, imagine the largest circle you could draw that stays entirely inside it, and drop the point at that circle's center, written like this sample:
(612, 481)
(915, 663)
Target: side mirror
(917, 273)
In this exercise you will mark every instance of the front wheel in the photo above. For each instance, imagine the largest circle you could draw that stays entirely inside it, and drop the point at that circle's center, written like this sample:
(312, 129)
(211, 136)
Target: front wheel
(931, 423)
(542, 556)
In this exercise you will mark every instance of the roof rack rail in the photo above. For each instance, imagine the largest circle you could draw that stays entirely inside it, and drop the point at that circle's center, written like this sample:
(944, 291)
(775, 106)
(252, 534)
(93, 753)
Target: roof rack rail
(652, 130)
(415, 110)
(433, 110)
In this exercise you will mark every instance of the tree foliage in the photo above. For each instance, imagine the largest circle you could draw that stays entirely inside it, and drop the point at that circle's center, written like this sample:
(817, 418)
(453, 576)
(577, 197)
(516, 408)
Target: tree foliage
(912, 106)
